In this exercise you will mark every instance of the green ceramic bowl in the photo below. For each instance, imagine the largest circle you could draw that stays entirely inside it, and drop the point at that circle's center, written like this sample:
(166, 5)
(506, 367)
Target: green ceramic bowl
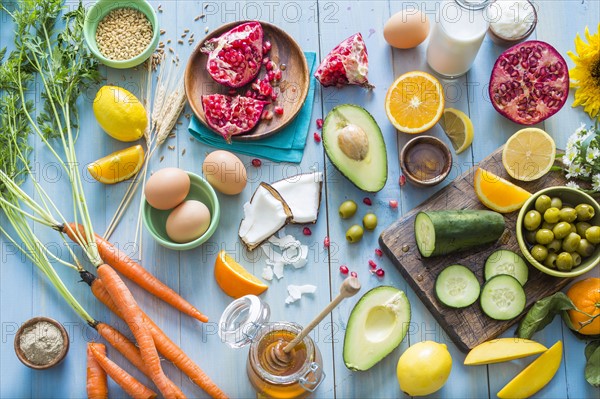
(567, 195)
(99, 10)
(155, 220)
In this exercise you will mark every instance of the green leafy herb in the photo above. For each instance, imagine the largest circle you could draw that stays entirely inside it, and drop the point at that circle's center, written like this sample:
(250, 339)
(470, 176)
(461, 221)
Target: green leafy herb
(592, 366)
(542, 313)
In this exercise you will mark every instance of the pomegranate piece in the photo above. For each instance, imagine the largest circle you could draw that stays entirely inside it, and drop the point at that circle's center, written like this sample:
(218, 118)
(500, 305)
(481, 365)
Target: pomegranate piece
(344, 269)
(379, 272)
(306, 231)
(367, 201)
(317, 137)
(267, 115)
(231, 116)
(346, 64)
(256, 162)
(319, 123)
(266, 46)
(326, 242)
(378, 252)
(354, 274)
(393, 204)
(529, 82)
(372, 264)
(278, 110)
(235, 57)
(402, 180)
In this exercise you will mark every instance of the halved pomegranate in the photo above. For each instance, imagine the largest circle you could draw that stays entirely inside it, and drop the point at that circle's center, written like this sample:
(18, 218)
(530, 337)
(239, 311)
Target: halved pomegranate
(529, 82)
(347, 63)
(231, 115)
(235, 57)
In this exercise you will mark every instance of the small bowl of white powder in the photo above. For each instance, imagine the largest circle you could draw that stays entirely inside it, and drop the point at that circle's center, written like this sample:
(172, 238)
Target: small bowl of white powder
(41, 343)
(511, 21)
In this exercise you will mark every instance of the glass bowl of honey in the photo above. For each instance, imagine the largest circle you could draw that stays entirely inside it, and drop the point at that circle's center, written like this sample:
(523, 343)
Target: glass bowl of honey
(425, 161)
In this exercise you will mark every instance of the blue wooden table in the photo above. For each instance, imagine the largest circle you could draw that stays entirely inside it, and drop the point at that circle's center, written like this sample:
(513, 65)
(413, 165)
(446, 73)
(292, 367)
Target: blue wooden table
(317, 26)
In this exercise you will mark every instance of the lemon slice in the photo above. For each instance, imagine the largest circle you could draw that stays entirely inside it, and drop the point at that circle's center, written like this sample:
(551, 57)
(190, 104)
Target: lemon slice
(414, 102)
(234, 280)
(529, 154)
(118, 166)
(458, 127)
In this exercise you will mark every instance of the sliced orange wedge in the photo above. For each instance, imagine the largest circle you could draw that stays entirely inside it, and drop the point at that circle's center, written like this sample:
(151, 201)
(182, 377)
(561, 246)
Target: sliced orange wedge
(234, 280)
(118, 166)
(498, 194)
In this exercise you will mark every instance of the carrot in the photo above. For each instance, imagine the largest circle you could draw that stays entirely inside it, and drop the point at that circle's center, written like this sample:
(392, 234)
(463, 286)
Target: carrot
(130, 385)
(133, 316)
(127, 349)
(165, 346)
(97, 386)
(136, 273)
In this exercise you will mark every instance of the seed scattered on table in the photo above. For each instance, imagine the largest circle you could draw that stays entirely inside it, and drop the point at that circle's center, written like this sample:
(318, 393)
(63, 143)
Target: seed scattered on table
(123, 34)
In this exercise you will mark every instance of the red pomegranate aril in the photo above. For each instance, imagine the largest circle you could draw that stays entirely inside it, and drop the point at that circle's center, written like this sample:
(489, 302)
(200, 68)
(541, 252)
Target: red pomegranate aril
(256, 163)
(306, 231)
(267, 115)
(274, 96)
(278, 110)
(367, 201)
(319, 123)
(317, 137)
(393, 204)
(379, 272)
(255, 86)
(372, 264)
(344, 269)
(378, 252)
(326, 242)
(266, 60)
(402, 180)
(266, 46)
(270, 76)
(278, 74)
(354, 274)
(270, 65)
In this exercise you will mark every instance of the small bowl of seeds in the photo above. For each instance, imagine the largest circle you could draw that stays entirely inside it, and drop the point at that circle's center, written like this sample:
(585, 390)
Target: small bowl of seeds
(121, 34)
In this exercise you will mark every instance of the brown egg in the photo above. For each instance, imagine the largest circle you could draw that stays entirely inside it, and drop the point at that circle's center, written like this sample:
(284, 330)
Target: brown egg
(225, 172)
(406, 29)
(188, 221)
(167, 188)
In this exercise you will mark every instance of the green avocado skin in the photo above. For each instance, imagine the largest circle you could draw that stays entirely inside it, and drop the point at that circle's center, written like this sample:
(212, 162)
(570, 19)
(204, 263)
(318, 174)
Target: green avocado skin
(369, 175)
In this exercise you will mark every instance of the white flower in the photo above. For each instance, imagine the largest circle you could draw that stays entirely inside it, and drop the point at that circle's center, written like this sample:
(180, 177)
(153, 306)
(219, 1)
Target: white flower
(570, 156)
(573, 171)
(596, 182)
(592, 154)
(580, 129)
(572, 184)
(586, 171)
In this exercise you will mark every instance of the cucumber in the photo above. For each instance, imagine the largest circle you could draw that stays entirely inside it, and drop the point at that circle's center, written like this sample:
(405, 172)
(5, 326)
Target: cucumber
(508, 262)
(456, 286)
(443, 232)
(502, 297)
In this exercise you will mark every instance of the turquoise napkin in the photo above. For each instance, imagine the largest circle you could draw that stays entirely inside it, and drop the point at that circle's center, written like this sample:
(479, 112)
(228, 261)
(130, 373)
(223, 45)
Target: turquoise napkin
(285, 146)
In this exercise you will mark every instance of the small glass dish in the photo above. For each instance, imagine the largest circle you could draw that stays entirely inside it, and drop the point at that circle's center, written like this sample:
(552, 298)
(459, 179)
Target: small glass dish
(21, 355)
(425, 161)
(511, 41)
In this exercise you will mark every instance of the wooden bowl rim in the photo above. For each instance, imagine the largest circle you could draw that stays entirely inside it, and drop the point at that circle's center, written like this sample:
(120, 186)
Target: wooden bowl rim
(59, 357)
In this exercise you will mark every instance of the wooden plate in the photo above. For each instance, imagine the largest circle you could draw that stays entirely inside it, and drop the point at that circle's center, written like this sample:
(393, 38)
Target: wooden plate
(292, 89)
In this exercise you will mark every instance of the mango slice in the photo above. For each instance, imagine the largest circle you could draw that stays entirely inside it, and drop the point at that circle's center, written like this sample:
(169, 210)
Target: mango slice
(502, 350)
(535, 376)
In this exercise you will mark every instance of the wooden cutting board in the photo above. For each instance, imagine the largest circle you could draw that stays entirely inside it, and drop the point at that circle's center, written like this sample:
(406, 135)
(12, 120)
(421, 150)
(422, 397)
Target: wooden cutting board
(467, 327)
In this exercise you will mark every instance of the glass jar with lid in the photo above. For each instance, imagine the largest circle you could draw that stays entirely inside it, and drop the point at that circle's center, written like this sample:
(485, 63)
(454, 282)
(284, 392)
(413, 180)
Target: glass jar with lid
(246, 322)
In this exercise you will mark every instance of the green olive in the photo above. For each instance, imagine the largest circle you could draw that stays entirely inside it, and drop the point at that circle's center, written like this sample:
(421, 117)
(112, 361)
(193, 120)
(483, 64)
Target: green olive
(354, 233)
(568, 214)
(561, 230)
(370, 221)
(530, 237)
(593, 235)
(573, 228)
(582, 228)
(564, 262)
(542, 203)
(585, 212)
(532, 220)
(548, 226)
(576, 259)
(552, 215)
(539, 252)
(585, 248)
(347, 209)
(550, 260)
(571, 242)
(556, 202)
(544, 236)
(554, 246)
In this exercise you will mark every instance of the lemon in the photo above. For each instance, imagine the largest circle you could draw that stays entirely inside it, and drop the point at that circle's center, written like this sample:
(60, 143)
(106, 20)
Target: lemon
(458, 127)
(118, 166)
(424, 368)
(529, 154)
(120, 113)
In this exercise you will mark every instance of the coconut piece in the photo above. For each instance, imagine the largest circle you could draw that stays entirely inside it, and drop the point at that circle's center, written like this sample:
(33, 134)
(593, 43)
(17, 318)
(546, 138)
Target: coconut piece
(267, 273)
(278, 270)
(303, 195)
(264, 215)
(296, 291)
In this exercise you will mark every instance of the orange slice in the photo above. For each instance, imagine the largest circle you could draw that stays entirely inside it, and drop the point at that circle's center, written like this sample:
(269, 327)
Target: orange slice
(234, 280)
(118, 166)
(498, 194)
(528, 154)
(415, 102)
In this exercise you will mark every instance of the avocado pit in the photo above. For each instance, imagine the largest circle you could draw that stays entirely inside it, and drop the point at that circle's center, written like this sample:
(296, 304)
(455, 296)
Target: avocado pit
(353, 142)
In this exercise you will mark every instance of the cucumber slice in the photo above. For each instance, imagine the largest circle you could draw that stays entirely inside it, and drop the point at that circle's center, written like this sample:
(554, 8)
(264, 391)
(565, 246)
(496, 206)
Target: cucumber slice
(456, 286)
(502, 297)
(508, 262)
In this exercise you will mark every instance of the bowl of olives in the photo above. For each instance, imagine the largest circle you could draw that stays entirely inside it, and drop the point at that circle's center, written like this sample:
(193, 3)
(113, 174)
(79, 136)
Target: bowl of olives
(558, 230)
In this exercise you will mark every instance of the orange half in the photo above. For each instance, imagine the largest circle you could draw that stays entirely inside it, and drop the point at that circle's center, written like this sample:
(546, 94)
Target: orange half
(498, 194)
(234, 280)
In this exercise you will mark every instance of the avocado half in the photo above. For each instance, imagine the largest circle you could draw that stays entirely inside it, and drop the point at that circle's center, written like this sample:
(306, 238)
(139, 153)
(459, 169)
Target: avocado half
(355, 146)
(377, 325)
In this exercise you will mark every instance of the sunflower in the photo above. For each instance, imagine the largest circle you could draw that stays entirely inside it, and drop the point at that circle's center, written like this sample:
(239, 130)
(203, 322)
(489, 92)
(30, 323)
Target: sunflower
(585, 77)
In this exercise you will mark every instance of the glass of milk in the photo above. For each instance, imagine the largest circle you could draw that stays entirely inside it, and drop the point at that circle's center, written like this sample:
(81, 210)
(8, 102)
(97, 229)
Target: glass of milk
(457, 35)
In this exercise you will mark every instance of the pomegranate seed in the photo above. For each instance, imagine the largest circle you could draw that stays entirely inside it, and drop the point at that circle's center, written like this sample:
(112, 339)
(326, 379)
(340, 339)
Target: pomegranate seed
(317, 137)
(354, 274)
(278, 74)
(378, 252)
(274, 96)
(379, 272)
(265, 60)
(319, 123)
(255, 86)
(306, 231)
(278, 110)
(326, 242)
(393, 204)
(367, 201)
(344, 269)
(402, 180)
(270, 76)
(372, 264)
(267, 115)
(232, 92)
(270, 65)
(248, 93)
(267, 45)
(256, 162)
